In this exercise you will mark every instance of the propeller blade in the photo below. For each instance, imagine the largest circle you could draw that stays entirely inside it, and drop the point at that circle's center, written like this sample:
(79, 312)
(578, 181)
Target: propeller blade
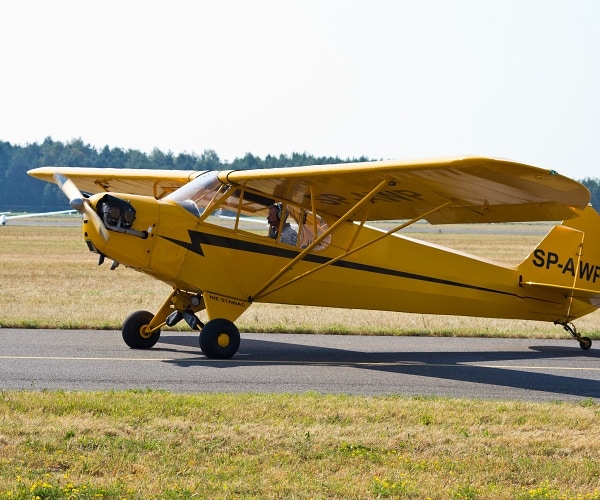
(95, 219)
(81, 204)
(70, 190)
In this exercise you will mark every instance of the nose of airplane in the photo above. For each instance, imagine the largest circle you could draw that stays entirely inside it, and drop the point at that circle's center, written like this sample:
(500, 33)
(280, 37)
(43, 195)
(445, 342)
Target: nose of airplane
(130, 222)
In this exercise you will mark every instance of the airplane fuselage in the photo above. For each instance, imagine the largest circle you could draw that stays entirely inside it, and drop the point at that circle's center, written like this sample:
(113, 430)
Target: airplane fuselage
(395, 273)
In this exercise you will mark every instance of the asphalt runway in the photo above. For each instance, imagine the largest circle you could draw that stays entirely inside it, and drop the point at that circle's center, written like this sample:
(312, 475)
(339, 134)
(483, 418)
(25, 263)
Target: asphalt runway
(516, 369)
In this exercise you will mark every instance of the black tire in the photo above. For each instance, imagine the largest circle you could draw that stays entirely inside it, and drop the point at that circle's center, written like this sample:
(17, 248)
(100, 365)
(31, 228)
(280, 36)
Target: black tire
(133, 330)
(219, 339)
(585, 343)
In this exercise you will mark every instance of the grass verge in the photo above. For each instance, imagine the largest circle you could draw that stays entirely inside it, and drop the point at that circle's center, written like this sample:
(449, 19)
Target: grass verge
(153, 444)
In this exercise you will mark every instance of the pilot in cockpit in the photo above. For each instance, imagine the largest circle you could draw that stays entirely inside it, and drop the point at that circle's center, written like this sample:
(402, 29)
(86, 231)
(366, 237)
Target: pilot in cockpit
(288, 234)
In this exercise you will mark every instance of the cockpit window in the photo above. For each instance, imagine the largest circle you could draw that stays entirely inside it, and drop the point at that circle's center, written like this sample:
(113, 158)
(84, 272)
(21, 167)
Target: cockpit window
(246, 211)
(201, 191)
(310, 227)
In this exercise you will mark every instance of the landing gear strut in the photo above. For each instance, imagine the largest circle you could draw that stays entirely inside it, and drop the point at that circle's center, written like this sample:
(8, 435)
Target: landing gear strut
(584, 342)
(219, 337)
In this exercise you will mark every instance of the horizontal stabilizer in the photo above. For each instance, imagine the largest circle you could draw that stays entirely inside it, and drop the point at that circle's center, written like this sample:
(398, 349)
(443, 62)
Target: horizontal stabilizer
(576, 293)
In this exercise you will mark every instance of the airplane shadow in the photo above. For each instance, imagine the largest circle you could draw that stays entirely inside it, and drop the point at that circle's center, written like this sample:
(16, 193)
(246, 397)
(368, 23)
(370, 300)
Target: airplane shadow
(465, 366)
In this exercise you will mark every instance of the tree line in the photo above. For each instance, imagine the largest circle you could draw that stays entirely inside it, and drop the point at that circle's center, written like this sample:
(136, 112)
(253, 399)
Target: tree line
(22, 193)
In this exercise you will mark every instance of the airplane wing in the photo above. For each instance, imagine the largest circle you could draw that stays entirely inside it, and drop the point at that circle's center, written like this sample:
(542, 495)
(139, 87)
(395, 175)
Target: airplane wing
(476, 190)
(147, 182)
(38, 214)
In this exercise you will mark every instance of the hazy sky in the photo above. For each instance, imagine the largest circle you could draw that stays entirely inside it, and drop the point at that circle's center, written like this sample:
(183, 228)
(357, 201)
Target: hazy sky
(385, 79)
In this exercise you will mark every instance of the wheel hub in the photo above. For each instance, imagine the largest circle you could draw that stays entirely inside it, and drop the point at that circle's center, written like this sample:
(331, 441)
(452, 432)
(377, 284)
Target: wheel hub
(223, 340)
(145, 332)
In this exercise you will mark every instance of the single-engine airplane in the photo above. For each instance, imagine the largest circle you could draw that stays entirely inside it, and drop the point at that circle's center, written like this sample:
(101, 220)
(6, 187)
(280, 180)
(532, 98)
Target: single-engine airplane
(6, 216)
(161, 222)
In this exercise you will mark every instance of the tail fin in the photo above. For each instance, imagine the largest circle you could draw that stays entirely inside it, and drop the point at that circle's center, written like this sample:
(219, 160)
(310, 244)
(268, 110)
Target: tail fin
(567, 262)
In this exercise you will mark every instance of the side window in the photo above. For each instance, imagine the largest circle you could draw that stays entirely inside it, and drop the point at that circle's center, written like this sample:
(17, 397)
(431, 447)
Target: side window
(311, 226)
(292, 225)
(250, 212)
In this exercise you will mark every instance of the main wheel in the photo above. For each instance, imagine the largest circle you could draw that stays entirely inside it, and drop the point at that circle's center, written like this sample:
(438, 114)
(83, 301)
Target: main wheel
(219, 339)
(135, 330)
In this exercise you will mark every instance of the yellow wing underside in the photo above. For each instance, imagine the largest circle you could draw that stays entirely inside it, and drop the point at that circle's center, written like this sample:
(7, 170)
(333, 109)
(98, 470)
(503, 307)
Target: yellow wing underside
(476, 190)
(145, 182)
(479, 189)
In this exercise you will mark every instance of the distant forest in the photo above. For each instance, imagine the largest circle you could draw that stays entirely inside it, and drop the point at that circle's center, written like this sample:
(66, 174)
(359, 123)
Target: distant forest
(22, 193)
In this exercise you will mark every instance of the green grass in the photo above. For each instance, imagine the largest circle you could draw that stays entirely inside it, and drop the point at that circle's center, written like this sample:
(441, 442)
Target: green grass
(152, 444)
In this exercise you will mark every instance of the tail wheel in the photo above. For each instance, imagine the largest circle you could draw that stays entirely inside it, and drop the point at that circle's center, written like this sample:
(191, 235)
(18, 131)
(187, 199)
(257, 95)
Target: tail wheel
(219, 339)
(136, 333)
(584, 342)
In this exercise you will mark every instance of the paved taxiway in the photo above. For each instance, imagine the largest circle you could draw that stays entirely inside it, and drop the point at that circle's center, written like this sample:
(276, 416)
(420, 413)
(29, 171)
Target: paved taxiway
(527, 369)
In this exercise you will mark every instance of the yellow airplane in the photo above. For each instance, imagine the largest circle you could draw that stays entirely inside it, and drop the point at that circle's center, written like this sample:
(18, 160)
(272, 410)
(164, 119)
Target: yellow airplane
(319, 249)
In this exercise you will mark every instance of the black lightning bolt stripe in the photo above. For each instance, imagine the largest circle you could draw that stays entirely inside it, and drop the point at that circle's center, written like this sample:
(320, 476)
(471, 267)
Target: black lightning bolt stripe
(197, 239)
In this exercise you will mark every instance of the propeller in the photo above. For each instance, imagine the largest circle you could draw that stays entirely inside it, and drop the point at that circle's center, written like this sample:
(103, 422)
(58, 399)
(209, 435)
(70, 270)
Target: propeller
(81, 204)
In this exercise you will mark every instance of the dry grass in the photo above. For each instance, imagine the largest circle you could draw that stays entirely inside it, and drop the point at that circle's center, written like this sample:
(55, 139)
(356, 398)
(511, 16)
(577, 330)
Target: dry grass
(48, 279)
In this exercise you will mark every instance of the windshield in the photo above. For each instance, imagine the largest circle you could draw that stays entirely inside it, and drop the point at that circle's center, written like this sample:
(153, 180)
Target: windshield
(200, 191)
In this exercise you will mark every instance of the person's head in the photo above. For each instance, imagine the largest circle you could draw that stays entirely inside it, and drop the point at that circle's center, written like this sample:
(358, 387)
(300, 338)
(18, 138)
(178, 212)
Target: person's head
(275, 214)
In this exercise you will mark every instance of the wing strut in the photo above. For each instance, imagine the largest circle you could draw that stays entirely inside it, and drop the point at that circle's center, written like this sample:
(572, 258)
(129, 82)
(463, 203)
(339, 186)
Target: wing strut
(346, 254)
(367, 199)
